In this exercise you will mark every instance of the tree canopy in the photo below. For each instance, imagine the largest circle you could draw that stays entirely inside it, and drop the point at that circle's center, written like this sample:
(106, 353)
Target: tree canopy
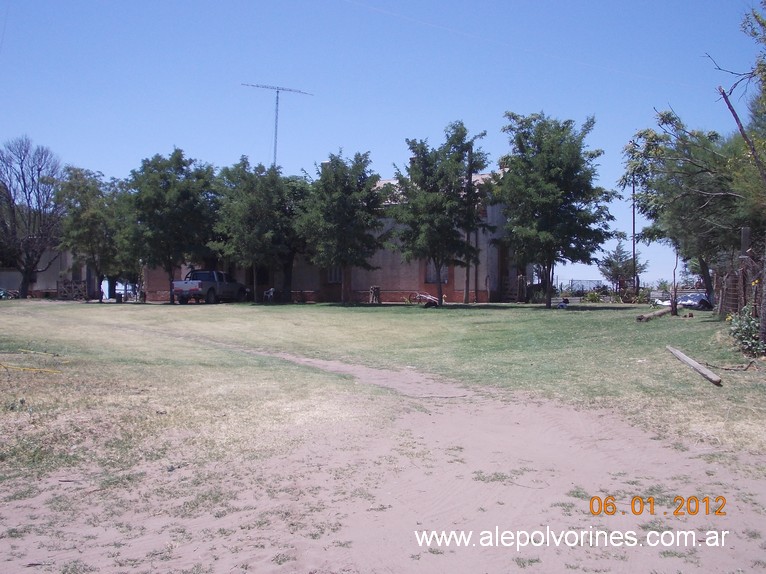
(175, 207)
(342, 215)
(90, 226)
(437, 207)
(555, 212)
(684, 186)
(257, 220)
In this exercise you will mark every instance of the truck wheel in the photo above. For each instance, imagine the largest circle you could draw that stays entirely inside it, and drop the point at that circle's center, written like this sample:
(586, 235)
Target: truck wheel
(241, 295)
(182, 300)
(210, 297)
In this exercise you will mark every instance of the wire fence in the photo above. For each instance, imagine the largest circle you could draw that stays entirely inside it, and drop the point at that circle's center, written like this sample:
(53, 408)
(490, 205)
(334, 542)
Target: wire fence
(739, 287)
(585, 285)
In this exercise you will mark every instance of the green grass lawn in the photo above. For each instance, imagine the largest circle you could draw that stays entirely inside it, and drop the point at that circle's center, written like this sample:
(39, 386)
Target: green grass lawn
(118, 365)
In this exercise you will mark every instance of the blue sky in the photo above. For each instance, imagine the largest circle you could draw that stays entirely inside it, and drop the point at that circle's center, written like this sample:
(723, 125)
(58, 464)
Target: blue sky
(105, 84)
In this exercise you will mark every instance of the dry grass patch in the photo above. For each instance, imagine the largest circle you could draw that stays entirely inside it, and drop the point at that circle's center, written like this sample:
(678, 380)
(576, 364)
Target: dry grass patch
(95, 398)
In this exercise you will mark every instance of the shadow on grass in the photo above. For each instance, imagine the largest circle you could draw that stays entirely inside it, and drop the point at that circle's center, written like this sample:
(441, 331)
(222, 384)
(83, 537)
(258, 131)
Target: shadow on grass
(443, 308)
(475, 307)
(504, 307)
(600, 307)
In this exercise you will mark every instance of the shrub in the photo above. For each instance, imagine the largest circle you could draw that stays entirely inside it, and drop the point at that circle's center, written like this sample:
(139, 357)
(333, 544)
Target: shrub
(592, 297)
(745, 327)
(537, 296)
(629, 295)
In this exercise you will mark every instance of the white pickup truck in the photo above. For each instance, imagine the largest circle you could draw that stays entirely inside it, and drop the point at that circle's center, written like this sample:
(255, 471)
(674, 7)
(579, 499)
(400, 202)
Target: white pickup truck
(210, 286)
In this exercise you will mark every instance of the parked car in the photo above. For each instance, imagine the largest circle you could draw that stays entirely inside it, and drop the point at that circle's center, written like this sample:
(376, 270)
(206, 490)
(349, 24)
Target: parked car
(210, 286)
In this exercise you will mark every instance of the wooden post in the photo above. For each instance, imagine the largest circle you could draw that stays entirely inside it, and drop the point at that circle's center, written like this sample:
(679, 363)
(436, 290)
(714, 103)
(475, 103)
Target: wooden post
(674, 292)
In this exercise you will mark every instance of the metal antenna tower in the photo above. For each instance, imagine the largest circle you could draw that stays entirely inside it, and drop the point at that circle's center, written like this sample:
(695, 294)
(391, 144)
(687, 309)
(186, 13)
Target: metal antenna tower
(277, 89)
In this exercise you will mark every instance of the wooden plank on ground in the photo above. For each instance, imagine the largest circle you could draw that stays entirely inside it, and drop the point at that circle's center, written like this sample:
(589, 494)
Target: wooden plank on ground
(704, 371)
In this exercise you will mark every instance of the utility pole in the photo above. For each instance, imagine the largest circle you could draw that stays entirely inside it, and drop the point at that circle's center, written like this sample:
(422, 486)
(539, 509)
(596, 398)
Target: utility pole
(277, 89)
(469, 198)
(633, 201)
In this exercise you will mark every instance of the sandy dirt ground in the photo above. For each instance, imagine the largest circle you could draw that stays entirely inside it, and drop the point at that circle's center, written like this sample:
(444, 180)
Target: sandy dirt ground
(351, 498)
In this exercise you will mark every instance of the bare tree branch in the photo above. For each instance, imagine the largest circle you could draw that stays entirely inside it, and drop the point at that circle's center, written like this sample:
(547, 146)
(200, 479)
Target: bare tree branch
(751, 146)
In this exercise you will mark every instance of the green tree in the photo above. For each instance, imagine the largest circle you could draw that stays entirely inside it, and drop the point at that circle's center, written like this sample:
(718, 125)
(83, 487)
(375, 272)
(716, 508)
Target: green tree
(89, 224)
(437, 209)
(257, 218)
(754, 25)
(129, 250)
(175, 206)
(341, 218)
(684, 186)
(554, 211)
(617, 266)
(30, 216)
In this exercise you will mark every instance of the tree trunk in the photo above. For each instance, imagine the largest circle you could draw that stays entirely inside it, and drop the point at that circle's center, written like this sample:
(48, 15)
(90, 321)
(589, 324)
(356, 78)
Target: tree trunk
(469, 198)
(111, 286)
(24, 287)
(549, 285)
(439, 291)
(287, 277)
(345, 286)
(170, 283)
(255, 282)
(99, 281)
(762, 309)
(467, 287)
(707, 280)
(674, 292)
(476, 269)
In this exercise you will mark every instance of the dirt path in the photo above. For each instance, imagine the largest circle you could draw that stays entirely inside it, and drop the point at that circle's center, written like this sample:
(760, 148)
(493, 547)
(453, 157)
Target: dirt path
(473, 462)
(351, 499)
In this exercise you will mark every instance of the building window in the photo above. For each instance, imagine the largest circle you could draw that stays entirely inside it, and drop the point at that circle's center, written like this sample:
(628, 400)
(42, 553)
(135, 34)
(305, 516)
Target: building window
(335, 275)
(431, 273)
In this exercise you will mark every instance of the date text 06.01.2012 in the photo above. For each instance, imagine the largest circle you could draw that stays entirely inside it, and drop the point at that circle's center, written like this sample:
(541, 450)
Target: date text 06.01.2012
(684, 505)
